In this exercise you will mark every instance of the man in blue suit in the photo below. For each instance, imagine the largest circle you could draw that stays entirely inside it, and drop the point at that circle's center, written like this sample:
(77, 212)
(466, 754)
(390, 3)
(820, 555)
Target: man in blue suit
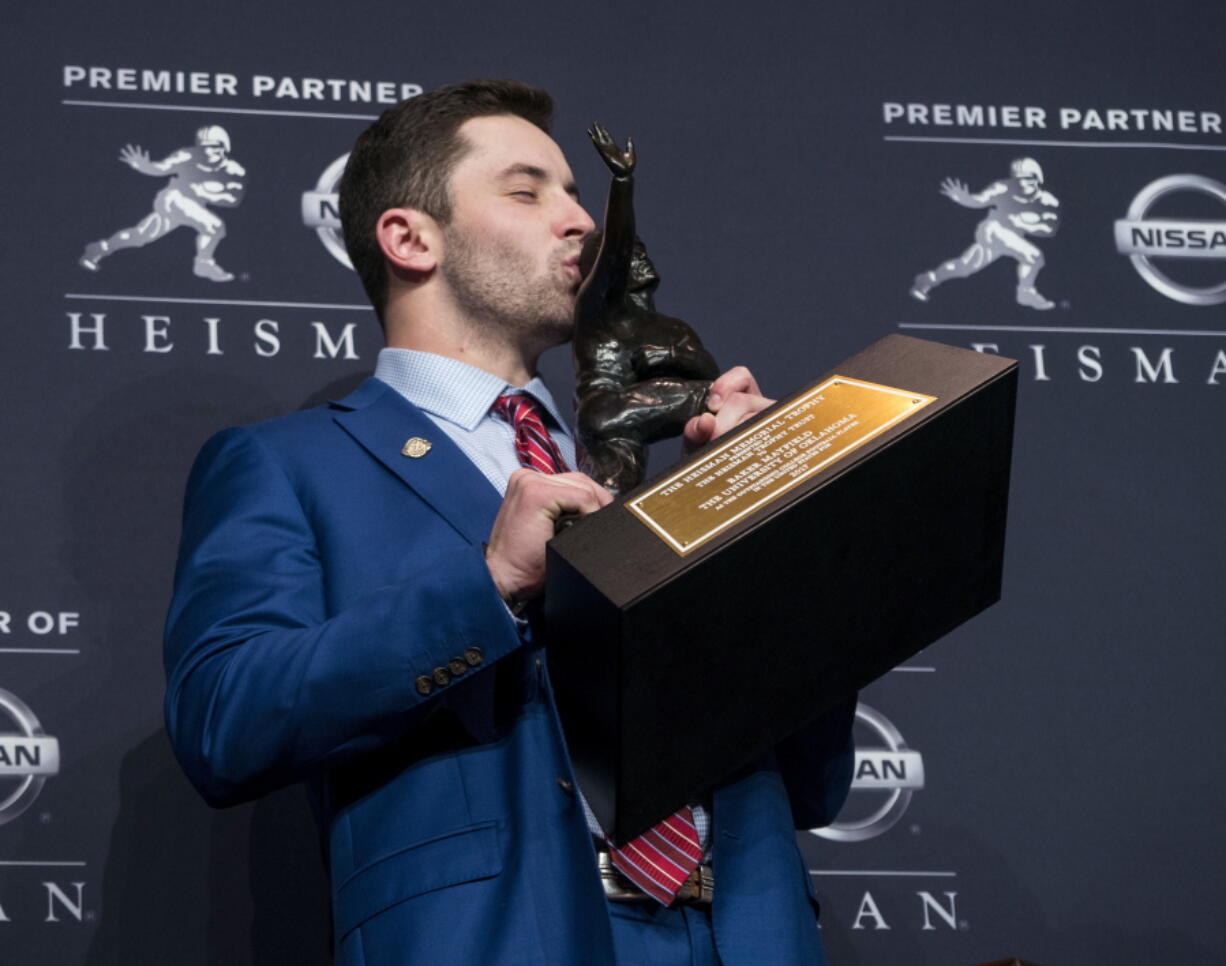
(351, 578)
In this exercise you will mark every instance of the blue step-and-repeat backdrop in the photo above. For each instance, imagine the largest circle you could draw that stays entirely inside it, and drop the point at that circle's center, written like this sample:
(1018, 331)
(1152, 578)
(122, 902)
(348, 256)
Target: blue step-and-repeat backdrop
(1046, 182)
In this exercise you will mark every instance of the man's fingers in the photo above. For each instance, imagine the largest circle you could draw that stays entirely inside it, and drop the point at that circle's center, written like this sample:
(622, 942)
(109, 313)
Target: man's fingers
(737, 408)
(557, 493)
(733, 397)
(737, 379)
(590, 495)
(698, 431)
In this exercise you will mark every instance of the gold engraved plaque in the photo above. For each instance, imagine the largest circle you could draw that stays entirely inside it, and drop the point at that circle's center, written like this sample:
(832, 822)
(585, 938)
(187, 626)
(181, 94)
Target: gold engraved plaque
(761, 463)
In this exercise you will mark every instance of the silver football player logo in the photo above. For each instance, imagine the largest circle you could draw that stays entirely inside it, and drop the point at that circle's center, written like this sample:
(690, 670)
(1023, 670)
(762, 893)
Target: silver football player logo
(202, 175)
(1018, 209)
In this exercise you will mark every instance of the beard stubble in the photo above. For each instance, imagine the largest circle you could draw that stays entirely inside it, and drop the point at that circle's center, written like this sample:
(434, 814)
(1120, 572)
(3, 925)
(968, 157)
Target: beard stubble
(500, 292)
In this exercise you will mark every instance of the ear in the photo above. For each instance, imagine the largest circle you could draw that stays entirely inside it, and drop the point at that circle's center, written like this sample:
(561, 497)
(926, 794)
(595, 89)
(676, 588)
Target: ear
(410, 240)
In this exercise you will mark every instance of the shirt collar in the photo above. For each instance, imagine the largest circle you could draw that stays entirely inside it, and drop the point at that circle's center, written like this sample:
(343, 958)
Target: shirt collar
(453, 390)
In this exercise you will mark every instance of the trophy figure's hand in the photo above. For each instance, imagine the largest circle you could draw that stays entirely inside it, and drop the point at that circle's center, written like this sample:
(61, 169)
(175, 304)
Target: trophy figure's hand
(620, 162)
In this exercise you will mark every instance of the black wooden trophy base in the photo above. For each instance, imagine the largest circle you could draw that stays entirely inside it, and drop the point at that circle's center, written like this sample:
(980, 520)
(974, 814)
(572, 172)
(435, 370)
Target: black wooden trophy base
(673, 671)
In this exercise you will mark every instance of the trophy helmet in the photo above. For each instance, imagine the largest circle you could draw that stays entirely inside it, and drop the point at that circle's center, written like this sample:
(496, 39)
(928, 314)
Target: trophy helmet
(643, 274)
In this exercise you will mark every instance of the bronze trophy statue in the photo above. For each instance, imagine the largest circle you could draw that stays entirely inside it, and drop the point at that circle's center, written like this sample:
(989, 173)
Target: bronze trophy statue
(640, 376)
(840, 531)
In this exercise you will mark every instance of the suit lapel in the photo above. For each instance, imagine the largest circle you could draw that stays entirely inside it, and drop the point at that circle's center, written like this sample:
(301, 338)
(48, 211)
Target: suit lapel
(381, 421)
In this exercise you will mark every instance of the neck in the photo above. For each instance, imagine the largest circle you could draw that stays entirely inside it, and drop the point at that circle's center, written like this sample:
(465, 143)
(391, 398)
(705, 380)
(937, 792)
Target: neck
(442, 329)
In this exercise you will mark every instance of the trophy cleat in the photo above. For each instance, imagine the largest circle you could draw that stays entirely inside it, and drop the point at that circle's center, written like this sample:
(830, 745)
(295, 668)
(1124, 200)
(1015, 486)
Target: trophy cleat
(1030, 298)
(207, 268)
(922, 286)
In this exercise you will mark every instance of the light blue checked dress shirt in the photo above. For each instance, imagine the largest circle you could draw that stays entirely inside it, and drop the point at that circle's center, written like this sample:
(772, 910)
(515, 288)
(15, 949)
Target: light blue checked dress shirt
(458, 398)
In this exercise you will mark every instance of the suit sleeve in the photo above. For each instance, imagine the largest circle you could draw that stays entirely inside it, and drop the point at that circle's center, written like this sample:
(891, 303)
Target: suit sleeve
(262, 687)
(817, 764)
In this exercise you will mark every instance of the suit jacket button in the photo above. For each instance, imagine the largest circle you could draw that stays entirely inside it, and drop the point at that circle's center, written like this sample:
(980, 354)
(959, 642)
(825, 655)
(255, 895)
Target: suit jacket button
(424, 685)
(457, 667)
(441, 676)
(473, 656)
(566, 786)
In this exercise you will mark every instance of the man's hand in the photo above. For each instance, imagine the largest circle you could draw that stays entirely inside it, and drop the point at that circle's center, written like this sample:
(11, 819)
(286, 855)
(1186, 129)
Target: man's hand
(733, 398)
(620, 162)
(516, 551)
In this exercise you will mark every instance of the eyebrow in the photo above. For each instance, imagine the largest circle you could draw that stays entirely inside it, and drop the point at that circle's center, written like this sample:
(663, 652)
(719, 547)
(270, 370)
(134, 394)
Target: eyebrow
(536, 174)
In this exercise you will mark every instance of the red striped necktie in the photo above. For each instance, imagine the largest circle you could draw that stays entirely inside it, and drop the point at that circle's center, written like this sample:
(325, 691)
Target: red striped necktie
(661, 859)
(533, 444)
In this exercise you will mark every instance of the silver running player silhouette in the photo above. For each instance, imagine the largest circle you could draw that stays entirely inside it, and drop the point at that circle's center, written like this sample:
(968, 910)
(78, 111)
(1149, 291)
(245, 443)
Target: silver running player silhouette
(1018, 207)
(200, 175)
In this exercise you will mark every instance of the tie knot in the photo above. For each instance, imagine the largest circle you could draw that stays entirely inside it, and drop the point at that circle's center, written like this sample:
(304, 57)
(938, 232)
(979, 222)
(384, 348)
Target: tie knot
(534, 446)
(514, 407)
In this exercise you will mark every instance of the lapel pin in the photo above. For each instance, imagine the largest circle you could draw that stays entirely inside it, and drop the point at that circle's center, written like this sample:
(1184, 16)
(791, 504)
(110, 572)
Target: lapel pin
(416, 448)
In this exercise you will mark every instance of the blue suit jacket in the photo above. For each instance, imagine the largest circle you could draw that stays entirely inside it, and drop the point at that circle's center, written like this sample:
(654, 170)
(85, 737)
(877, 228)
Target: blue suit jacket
(321, 573)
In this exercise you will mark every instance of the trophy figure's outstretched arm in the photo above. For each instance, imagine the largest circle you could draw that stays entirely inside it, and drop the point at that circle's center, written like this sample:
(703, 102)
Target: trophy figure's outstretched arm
(606, 283)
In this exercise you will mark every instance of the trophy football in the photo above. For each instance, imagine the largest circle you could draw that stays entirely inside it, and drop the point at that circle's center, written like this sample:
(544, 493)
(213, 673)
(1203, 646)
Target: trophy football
(777, 569)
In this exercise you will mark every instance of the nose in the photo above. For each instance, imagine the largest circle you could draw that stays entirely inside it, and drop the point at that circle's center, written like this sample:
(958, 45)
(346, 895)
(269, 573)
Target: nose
(575, 222)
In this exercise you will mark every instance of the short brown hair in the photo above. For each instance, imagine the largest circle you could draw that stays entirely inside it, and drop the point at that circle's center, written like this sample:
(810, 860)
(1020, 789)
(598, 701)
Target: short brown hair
(406, 157)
